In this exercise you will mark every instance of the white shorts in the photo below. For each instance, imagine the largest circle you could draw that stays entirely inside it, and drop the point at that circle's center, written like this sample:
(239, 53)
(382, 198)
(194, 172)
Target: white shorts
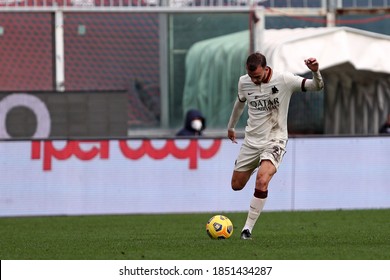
(250, 157)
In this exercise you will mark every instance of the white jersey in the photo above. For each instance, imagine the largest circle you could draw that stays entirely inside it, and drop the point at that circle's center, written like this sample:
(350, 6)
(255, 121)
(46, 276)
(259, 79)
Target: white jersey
(268, 105)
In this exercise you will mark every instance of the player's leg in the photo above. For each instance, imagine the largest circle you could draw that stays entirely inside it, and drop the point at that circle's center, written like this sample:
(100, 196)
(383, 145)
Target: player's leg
(247, 161)
(240, 178)
(264, 175)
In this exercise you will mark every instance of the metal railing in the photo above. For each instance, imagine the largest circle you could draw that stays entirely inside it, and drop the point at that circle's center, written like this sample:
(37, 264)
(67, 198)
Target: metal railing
(188, 4)
(192, 3)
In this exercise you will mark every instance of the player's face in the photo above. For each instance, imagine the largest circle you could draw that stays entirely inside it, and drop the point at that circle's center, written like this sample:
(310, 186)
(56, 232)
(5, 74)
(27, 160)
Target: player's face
(258, 75)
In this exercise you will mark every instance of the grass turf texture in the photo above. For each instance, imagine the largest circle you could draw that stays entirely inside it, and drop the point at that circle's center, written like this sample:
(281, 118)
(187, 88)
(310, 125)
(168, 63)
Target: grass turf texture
(314, 235)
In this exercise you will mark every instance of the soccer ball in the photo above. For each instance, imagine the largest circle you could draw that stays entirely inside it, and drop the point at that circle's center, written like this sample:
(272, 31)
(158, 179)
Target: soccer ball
(219, 227)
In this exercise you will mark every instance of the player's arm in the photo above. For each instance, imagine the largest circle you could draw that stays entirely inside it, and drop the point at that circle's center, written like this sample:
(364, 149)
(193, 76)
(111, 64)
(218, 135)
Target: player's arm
(316, 83)
(238, 108)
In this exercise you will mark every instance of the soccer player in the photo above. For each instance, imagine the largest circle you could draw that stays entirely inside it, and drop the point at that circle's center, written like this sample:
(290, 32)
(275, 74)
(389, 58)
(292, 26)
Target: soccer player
(267, 95)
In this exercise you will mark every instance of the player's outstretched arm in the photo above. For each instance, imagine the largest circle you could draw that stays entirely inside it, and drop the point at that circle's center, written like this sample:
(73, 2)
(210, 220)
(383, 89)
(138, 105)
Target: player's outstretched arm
(316, 83)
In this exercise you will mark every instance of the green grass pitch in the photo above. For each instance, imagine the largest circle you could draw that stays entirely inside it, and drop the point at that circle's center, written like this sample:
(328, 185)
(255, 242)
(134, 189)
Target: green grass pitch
(307, 235)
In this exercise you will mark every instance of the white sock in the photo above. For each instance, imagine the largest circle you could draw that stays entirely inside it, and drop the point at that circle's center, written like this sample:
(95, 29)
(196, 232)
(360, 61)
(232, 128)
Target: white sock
(254, 212)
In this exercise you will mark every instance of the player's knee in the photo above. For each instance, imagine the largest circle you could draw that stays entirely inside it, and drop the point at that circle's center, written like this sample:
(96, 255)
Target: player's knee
(262, 182)
(237, 185)
(237, 188)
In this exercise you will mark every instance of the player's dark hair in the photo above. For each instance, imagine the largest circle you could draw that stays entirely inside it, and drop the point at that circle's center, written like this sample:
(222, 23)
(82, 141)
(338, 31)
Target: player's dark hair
(255, 60)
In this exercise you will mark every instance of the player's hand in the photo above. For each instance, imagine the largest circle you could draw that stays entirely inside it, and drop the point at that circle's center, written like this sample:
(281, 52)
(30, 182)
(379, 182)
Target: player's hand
(312, 64)
(232, 136)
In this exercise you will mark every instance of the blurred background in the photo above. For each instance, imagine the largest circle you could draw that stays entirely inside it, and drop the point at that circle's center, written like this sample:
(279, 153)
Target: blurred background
(120, 68)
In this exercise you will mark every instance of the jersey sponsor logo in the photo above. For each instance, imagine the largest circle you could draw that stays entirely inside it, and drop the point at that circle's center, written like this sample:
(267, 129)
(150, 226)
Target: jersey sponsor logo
(265, 104)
